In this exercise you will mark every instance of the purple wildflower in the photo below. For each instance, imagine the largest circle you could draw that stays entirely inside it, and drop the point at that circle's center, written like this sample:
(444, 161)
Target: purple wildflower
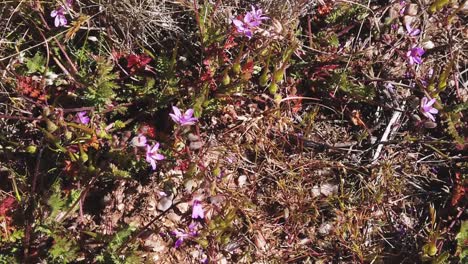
(426, 108)
(403, 7)
(152, 155)
(250, 21)
(139, 141)
(82, 118)
(412, 31)
(197, 210)
(60, 19)
(414, 55)
(390, 87)
(185, 119)
(181, 236)
(59, 14)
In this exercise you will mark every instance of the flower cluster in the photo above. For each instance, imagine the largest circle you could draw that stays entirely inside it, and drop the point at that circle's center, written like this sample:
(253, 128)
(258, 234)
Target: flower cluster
(250, 22)
(414, 55)
(59, 14)
(197, 213)
(152, 152)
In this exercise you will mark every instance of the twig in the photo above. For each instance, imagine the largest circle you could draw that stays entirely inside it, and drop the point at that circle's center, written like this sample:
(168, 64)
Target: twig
(390, 128)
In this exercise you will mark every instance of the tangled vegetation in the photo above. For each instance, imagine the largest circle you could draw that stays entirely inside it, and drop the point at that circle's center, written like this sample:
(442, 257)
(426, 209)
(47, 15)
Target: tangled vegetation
(301, 131)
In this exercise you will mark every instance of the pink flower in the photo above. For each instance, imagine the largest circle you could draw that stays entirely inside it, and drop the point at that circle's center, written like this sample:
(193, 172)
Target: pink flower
(152, 155)
(412, 31)
(185, 119)
(414, 55)
(197, 210)
(81, 118)
(139, 141)
(59, 14)
(181, 236)
(60, 19)
(403, 7)
(426, 108)
(250, 21)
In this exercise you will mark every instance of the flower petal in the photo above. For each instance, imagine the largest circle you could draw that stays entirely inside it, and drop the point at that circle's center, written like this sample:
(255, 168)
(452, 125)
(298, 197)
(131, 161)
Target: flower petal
(175, 118)
(57, 21)
(63, 20)
(153, 164)
(188, 113)
(178, 242)
(158, 156)
(431, 102)
(423, 101)
(415, 32)
(176, 111)
(239, 24)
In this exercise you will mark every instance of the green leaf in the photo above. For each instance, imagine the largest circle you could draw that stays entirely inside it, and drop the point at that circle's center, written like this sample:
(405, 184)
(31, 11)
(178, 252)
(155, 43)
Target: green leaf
(102, 89)
(438, 5)
(36, 63)
(462, 242)
(64, 249)
(116, 172)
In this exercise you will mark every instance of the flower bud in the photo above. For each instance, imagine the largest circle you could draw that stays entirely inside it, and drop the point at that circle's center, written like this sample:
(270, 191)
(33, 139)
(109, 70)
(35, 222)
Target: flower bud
(278, 75)
(263, 81)
(273, 88)
(226, 79)
(236, 68)
(278, 98)
(51, 127)
(68, 135)
(31, 149)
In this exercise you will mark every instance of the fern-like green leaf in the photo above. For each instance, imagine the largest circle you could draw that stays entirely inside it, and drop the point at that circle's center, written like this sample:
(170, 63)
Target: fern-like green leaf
(102, 89)
(64, 249)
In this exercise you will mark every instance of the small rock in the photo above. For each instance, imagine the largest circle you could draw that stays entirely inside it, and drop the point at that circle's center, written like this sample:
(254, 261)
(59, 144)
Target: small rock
(183, 207)
(195, 145)
(325, 229)
(315, 191)
(427, 45)
(241, 180)
(189, 185)
(411, 9)
(192, 137)
(164, 203)
(328, 189)
(430, 124)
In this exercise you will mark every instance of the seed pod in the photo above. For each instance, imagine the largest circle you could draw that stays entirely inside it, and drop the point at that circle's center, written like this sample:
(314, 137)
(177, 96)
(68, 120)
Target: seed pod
(278, 75)
(278, 98)
(226, 79)
(68, 135)
(263, 81)
(31, 149)
(51, 127)
(236, 68)
(273, 88)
